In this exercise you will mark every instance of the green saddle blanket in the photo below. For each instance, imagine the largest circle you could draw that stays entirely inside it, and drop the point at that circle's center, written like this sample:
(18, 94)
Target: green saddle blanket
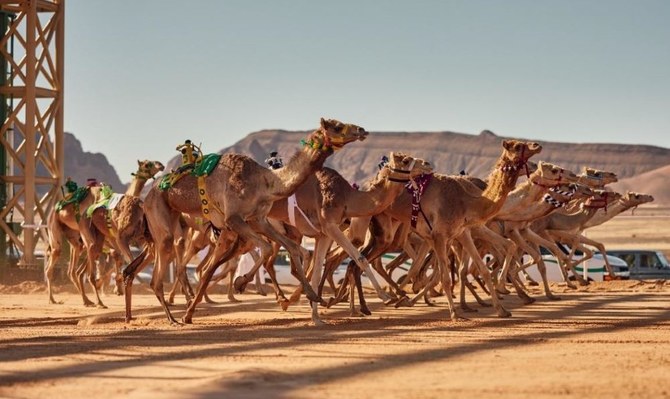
(75, 197)
(202, 167)
(106, 195)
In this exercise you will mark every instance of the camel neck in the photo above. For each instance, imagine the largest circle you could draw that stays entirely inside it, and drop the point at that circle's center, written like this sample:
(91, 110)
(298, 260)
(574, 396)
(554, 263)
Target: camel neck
(601, 216)
(136, 186)
(303, 163)
(375, 199)
(500, 183)
(519, 200)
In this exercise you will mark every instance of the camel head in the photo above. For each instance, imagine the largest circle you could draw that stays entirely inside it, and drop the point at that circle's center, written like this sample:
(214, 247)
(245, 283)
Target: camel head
(631, 199)
(400, 168)
(597, 178)
(548, 174)
(147, 169)
(336, 134)
(516, 153)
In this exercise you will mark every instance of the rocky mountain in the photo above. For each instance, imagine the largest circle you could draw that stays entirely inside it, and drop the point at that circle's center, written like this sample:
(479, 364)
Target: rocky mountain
(81, 165)
(452, 152)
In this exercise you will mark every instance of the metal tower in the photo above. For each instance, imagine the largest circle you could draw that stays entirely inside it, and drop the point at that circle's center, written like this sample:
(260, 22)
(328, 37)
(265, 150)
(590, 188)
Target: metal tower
(31, 112)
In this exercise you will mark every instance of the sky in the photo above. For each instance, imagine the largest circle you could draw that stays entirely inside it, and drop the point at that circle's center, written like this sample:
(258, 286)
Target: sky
(141, 76)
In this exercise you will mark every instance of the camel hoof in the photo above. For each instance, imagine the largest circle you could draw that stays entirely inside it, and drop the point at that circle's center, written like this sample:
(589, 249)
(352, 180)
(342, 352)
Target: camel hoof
(284, 303)
(101, 306)
(527, 300)
(186, 320)
(503, 290)
(404, 302)
(318, 322)
(213, 302)
(391, 302)
(55, 302)
(571, 286)
(331, 301)
(364, 310)
(430, 303)
(89, 304)
(240, 284)
(502, 312)
(554, 297)
(583, 283)
(485, 304)
(533, 283)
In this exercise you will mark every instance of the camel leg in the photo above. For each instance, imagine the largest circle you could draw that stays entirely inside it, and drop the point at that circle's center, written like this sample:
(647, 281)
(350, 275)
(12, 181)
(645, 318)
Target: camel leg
(221, 254)
(534, 252)
(134, 267)
(333, 231)
(440, 247)
(469, 246)
(541, 240)
(321, 246)
(293, 249)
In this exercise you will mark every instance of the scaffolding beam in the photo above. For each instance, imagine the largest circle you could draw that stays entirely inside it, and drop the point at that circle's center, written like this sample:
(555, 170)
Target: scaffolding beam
(31, 135)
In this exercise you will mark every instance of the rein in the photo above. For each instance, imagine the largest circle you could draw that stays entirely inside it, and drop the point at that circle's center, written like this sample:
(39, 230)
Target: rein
(416, 188)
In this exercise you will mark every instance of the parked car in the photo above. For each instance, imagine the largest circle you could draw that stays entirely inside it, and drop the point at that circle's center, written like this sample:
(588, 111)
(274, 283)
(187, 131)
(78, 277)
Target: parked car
(644, 264)
(592, 269)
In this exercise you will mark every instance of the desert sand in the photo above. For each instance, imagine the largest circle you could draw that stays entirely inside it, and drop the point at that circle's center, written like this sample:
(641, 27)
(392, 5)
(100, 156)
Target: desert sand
(606, 340)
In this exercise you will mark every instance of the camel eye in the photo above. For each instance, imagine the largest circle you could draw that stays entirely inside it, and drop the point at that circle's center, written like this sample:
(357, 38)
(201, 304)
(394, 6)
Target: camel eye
(554, 170)
(517, 146)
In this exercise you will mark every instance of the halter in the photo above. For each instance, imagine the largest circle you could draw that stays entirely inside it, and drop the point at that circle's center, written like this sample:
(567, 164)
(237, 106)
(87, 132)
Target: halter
(560, 177)
(522, 163)
(402, 172)
(598, 205)
(416, 188)
(329, 143)
(143, 173)
(549, 199)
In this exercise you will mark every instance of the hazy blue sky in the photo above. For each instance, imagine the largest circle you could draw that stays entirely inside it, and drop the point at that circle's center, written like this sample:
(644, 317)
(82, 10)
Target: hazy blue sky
(143, 75)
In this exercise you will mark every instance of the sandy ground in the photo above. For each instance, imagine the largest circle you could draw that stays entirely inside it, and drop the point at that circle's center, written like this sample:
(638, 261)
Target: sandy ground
(607, 340)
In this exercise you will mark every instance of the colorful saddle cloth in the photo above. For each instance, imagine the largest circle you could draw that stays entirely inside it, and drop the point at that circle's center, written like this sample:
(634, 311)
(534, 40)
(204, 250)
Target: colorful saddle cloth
(75, 197)
(108, 200)
(202, 167)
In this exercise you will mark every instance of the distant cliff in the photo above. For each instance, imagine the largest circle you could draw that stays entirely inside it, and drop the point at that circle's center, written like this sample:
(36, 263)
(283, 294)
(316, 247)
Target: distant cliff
(81, 165)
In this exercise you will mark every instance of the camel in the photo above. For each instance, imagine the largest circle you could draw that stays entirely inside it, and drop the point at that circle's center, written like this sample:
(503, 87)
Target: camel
(577, 241)
(121, 225)
(64, 222)
(326, 199)
(237, 195)
(451, 205)
(563, 227)
(515, 227)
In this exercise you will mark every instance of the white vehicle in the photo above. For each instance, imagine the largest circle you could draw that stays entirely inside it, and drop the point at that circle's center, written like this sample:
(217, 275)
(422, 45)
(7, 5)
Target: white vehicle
(592, 269)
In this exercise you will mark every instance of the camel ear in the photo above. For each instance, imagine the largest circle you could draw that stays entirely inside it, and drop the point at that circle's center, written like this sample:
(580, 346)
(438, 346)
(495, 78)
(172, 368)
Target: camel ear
(507, 144)
(325, 125)
(139, 163)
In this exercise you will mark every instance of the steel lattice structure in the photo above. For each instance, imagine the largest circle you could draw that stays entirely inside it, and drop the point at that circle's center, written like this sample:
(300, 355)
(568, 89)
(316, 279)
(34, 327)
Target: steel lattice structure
(31, 88)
